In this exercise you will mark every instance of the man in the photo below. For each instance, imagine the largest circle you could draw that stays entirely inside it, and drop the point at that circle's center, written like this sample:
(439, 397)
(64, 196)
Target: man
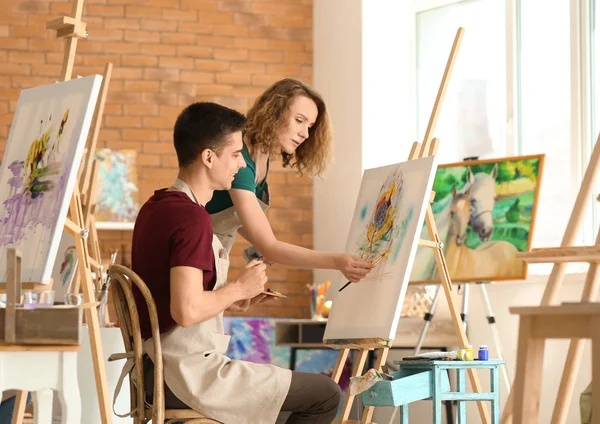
(185, 267)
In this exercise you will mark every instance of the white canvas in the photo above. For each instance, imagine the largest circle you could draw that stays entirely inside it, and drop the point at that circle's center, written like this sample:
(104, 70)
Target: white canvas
(39, 171)
(387, 220)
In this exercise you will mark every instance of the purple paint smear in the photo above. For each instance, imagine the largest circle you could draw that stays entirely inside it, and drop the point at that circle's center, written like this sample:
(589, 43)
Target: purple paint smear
(35, 193)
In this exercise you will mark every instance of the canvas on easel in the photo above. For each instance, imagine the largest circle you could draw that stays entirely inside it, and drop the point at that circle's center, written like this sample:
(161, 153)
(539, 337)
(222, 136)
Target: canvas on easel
(389, 211)
(37, 176)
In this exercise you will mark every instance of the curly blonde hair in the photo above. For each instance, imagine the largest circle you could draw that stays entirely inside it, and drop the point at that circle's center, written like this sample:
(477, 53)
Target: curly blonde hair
(269, 114)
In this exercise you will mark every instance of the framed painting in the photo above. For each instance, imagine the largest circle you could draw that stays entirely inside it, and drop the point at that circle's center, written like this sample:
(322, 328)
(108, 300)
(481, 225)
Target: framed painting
(118, 193)
(39, 171)
(485, 213)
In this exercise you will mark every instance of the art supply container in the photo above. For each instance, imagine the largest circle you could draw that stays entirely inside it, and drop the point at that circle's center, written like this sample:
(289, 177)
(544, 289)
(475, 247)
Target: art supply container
(46, 298)
(466, 354)
(29, 299)
(483, 353)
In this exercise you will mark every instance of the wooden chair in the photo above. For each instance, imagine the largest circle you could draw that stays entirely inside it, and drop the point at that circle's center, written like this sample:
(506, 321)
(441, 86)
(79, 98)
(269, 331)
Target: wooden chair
(122, 279)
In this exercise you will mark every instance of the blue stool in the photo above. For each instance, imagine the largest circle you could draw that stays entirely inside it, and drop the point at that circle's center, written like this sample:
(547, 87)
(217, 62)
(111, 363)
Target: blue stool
(418, 380)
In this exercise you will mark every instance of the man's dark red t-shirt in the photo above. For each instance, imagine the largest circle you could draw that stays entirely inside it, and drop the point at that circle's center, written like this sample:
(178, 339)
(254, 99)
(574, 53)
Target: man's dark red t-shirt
(170, 230)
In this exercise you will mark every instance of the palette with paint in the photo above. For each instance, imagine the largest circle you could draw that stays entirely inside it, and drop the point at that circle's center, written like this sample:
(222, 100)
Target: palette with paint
(274, 293)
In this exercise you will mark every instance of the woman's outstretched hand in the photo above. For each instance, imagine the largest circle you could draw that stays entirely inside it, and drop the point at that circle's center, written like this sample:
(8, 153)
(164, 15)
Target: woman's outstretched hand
(353, 267)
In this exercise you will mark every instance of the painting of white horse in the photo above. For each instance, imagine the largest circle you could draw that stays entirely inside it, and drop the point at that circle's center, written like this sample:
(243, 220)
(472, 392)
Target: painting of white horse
(485, 213)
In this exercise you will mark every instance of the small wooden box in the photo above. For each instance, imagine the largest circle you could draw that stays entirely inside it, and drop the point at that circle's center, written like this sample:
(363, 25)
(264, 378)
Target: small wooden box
(40, 326)
(408, 386)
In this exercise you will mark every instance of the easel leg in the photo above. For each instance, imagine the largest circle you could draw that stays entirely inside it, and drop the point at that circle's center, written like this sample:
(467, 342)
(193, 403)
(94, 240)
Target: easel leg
(530, 358)
(465, 305)
(428, 317)
(368, 411)
(19, 409)
(460, 331)
(358, 367)
(492, 321)
(339, 365)
(91, 315)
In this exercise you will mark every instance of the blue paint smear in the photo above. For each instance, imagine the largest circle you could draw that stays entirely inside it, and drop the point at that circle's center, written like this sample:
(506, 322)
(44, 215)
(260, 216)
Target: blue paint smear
(402, 234)
(363, 212)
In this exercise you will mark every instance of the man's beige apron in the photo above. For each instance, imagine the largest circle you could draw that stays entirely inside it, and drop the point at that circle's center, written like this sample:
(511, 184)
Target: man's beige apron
(199, 373)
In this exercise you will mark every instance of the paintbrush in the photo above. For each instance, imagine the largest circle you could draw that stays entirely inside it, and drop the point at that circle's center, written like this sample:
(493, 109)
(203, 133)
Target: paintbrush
(377, 259)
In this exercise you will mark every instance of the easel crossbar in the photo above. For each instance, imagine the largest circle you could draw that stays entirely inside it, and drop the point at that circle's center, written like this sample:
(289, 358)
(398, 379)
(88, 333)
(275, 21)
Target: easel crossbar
(561, 254)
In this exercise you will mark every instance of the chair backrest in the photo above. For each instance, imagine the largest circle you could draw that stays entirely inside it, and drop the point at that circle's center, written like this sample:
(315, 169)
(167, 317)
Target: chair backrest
(121, 288)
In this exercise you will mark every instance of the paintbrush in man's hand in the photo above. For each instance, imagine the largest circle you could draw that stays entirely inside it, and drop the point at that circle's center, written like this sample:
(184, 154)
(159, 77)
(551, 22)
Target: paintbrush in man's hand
(377, 259)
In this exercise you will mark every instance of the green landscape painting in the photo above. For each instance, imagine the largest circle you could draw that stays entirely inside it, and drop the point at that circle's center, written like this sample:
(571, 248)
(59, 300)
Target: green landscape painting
(485, 213)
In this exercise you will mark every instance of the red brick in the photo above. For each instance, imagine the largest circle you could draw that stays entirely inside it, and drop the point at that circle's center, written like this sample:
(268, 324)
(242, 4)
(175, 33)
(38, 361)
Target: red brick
(232, 30)
(214, 90)
(194, 51)
(158, 148)
(116, 23)
(148, 160)
(215, 18)
(213, 41)
(178, 38)
(302, 58)
(127, 73)
(136, 60)
(197, 77)
(178, 87)
(111, 34)
(158, 49)
(157, 122)
(195, 27)
(233, 79)
(249, 19)
(18, 44)
(212, 65)
(140, 134)
(110, 11)
(169, 161)
(180, 15)
(253, 43)
(176, 62)
(25, 57)
(142, 85)
(248, 68)
(142, 36)
(163, 74)
(160, 98)
(122, 121)
(121, 47)
(96, 59)
(143, 110)
(230, 54)
(266, 56)
(158, 25)
(143, 12)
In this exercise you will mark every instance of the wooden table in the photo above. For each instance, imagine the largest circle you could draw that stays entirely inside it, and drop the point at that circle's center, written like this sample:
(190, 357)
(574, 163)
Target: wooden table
(40, 369)
(537, 324)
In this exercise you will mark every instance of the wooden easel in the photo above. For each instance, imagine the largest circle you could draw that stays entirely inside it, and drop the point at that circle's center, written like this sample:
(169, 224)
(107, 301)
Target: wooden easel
(429, 147)
(88, 184)
(560, 257)
(71, 29)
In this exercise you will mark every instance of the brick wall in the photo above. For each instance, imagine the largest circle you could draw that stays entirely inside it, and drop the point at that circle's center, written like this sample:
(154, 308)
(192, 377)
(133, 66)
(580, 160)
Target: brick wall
(167, 54)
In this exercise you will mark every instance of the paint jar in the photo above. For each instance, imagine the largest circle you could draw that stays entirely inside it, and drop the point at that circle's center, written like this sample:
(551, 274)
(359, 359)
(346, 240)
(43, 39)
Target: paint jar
(466, 354)
(483, 354)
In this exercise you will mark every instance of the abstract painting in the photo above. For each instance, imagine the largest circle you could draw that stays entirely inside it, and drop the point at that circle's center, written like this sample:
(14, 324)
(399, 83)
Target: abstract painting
(485, 213)
(117, 197)
(65, 267)
(253, 340)
(39, 170)
(387, 219)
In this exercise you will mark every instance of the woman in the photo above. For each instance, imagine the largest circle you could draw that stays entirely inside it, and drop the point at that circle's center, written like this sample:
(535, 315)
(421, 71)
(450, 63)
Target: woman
(288, 120)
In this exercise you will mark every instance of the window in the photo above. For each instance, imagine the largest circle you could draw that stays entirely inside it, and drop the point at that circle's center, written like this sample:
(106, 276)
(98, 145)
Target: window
(544, 73)
(471, 122)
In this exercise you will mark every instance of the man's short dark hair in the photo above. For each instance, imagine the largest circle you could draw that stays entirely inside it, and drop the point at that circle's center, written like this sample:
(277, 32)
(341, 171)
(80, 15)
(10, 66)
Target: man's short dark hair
(204, 125)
